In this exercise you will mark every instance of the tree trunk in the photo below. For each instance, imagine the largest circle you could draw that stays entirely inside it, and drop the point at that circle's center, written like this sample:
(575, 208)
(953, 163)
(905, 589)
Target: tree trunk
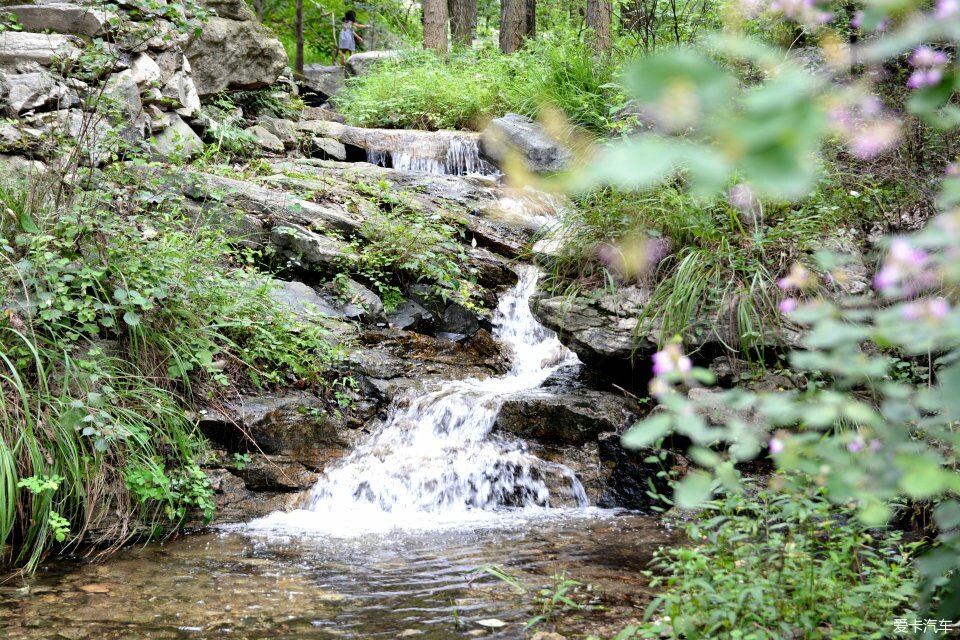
(298, 62)
(260, 7)
(435, 25)
(599, 17)
(463, 20)
(530, 31)
(513, 24)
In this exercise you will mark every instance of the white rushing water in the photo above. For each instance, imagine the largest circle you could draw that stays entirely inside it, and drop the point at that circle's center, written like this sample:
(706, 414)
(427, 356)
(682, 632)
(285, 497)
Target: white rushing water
(437, 154)
(435, 460)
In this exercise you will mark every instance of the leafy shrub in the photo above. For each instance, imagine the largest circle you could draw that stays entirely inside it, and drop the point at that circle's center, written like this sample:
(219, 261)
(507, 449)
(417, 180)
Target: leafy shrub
(780, 565)
(401, 245)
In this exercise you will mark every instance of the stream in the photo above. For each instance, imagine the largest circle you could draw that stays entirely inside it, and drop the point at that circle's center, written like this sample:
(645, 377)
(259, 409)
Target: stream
(388, 542)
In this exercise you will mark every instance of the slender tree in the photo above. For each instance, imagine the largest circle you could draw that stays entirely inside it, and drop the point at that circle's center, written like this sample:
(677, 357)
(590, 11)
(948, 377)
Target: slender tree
(530, 30)
(298, 27)
(463, 20)
(513, 24)
(599, 17)
(435, 25)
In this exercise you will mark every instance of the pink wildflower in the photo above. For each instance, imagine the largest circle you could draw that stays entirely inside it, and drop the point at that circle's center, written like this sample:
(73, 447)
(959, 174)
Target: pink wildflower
(671, 360)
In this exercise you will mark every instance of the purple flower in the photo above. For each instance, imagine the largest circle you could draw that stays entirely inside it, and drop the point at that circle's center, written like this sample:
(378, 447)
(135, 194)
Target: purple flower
(787, 305)
(671, 360)
(875, 445)
(856, 445)
(905, 267)
(742, 197)
(872, 139)
(798, 278)
(934, 309)
(929, 65)
(947, 9)
(776, 446)
(953, 169)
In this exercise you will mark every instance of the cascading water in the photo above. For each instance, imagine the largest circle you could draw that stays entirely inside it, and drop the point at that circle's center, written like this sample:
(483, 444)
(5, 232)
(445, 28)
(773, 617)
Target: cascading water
(435, 153)
(436, 455)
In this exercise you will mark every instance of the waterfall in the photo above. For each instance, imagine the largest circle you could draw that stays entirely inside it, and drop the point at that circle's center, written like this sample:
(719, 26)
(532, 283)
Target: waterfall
(436, 452)
(440, 153)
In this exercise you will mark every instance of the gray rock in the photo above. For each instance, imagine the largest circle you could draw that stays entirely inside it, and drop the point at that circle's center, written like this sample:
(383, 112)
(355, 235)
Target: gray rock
(321, 113)
(169, 62)
(181, 92)
(275, 473)
(21, 46)
(283, 129)
(233, 54)
(61, 18)
(632, 472)
(266, 139)
(411, 316)
(302, 300)
(518, 134)
(327, 148)
(326, 80)
(573, 416)
(479, 203)
(361, 63)
(39, 90)
(145, 71)
(20, 168)
(359, 302)
(236, 503)
(308, 248)
(459, 320)
(176, 140)
(298, 425)
(268, 204)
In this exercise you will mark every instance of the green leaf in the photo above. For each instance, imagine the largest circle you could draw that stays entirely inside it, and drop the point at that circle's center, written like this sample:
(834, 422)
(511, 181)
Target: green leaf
(131, 318)
(648, 431)
(693, 490)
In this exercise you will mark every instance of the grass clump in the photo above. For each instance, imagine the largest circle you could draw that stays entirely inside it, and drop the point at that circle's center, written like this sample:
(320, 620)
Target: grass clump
(119, 312)
(701, 258)
(780, 565)
(421, 90)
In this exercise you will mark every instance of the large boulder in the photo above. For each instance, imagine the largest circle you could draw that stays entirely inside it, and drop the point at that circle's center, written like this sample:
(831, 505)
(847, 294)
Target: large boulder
(307, 248)
(234, 52)
(36, 91)
(61, 18)
(519, 135)
(361, 63)
(21, 46)
(323, 79)
(298, 425)
(566, 416)
(302, 300)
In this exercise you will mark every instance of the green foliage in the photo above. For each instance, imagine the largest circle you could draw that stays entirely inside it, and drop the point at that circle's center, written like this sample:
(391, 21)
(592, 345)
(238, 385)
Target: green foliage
(402, 245)
(423, 91)
(865, 433)
(561, 596)
(780, 565)
(118, 305)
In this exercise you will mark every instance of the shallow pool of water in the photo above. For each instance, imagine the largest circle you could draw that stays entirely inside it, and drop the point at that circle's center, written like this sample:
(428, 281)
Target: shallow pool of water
(285, 583)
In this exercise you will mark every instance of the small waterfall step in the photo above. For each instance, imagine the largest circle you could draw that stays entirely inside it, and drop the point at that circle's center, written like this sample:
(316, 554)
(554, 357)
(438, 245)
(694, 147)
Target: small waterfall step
(437, 455)
(434, 152)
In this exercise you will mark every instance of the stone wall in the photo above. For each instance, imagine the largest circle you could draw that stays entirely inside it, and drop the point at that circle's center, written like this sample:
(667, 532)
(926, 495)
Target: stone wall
(112, 76)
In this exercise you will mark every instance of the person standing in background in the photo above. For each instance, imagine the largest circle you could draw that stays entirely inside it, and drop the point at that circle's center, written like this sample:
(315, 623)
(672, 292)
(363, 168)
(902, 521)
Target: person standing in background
(347, 43)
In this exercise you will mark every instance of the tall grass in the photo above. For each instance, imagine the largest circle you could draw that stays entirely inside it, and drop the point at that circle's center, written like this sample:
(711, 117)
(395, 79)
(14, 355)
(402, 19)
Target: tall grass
(421, 90)
(721, 271)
